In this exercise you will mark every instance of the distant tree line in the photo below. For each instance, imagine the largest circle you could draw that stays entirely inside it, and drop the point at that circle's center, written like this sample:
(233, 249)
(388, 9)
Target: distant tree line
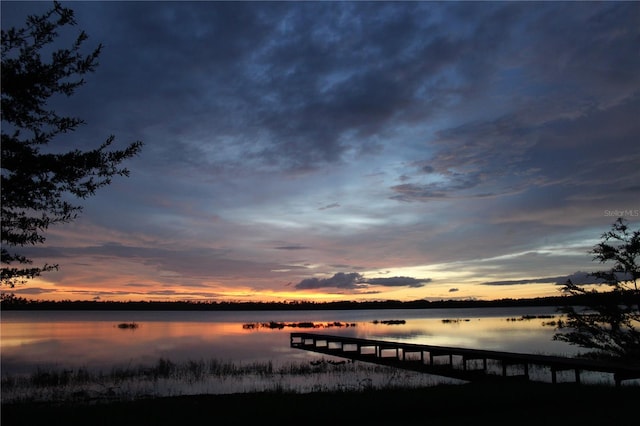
(12, 302)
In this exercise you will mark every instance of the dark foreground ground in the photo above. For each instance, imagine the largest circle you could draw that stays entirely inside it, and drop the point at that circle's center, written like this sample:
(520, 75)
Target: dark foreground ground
(471, 404)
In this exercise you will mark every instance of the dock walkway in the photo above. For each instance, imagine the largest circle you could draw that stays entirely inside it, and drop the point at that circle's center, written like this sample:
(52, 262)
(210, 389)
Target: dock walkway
(458, 363)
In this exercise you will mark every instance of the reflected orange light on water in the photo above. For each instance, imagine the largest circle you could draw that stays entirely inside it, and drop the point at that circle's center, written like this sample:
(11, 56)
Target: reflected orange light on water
(94, 339)
(488, 332)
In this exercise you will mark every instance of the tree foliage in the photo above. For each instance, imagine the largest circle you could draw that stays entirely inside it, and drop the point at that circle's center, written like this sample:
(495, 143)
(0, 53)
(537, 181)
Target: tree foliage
(37, 178)
(609, 322)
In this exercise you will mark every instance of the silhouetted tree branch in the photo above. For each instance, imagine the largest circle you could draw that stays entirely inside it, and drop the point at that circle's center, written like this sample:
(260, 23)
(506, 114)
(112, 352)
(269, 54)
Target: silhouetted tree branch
(36, 184)
(609, 322)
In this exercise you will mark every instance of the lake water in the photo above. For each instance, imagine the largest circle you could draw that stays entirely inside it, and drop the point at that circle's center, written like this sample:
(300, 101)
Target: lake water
(34, 340)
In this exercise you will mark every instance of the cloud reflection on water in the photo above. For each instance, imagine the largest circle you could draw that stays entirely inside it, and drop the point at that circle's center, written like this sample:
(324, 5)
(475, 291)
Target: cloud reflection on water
(93, 340)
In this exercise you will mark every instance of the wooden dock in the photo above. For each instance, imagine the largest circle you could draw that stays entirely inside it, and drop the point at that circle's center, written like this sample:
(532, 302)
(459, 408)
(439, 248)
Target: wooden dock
(459, 363)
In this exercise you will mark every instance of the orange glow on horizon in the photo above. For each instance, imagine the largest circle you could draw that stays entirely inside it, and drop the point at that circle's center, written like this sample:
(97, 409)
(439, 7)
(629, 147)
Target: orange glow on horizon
(39, 289)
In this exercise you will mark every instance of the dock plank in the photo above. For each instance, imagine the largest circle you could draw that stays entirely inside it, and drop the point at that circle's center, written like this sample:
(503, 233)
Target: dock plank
(343, 346)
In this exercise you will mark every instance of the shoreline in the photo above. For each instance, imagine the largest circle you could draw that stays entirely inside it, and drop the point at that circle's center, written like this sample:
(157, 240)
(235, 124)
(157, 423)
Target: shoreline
(516, 403)
(22, 304)
(211, 377)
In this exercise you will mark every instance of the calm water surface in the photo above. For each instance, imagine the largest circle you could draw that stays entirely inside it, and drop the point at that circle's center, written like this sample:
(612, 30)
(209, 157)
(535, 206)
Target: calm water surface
(32, 340)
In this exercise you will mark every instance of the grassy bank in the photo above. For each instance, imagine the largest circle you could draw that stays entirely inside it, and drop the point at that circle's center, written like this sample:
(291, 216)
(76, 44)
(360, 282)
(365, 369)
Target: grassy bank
(471, 404)
(167, 378)
(325, 391)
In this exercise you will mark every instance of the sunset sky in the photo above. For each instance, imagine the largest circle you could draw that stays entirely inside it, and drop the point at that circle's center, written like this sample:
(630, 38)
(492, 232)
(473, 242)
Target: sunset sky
(348, 150)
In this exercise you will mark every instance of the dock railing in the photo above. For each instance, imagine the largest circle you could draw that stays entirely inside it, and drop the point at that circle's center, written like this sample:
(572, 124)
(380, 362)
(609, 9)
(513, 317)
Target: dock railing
(427, 358)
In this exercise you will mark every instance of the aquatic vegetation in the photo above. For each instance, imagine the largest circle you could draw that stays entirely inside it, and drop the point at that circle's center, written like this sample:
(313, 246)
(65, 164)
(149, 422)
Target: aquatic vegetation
(530, 317)
(214, 376)
(304, 324)
(389, 322)
(128, 325)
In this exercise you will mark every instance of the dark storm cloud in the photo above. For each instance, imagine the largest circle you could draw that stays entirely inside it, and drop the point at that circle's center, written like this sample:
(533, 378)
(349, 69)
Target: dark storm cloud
(355, 280)
(30, 291)
(525, 281)
(341, 280)
(581, 277)
(300, 82)
(578, 277)
(508, 155)
(399, 282)
(296, 85)
(351, 71)
(472, 156)
(582, 97)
